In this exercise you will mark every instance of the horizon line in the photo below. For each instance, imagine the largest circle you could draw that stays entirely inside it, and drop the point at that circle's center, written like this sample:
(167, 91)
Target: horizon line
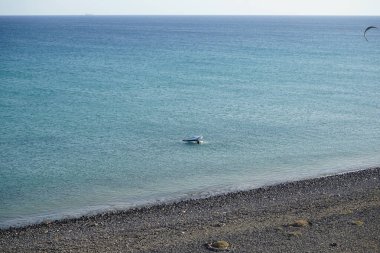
(91, 14)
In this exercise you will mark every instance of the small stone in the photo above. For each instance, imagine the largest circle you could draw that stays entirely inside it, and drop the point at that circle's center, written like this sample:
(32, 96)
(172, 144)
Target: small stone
(218, 246)
(300, 223)
(357, 223)
(294, 234)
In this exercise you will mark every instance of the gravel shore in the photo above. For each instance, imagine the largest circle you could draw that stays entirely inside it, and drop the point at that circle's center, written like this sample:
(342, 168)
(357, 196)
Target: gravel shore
(331, 214)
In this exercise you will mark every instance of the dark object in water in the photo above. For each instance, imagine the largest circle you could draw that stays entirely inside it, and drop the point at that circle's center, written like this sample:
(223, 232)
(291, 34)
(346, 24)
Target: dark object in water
(368, 28)
(198, 139)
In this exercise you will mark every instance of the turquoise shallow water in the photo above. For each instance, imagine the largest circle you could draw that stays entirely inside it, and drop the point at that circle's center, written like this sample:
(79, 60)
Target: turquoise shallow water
(93, 109)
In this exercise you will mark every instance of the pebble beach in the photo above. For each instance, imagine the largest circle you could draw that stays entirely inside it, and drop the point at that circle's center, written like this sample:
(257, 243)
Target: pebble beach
(339, 213)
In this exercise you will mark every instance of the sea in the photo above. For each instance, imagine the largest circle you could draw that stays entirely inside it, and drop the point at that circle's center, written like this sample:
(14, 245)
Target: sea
(93, 109)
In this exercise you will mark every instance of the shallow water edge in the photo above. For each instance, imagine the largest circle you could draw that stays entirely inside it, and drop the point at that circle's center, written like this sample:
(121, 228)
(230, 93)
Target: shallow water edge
(190, 199)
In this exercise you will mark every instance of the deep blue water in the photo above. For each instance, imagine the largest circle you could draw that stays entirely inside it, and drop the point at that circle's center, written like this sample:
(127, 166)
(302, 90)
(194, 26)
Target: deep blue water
(93, 109)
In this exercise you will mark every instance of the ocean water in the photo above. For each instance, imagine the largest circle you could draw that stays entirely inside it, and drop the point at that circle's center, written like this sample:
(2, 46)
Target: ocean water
(93, 109)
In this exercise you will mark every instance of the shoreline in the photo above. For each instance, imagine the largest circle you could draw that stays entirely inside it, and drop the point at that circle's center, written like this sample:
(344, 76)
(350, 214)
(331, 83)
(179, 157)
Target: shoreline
(92, 212)
(185, 226)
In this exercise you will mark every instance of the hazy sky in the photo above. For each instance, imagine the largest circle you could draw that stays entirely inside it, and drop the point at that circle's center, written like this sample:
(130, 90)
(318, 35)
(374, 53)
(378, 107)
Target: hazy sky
(179, 7)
